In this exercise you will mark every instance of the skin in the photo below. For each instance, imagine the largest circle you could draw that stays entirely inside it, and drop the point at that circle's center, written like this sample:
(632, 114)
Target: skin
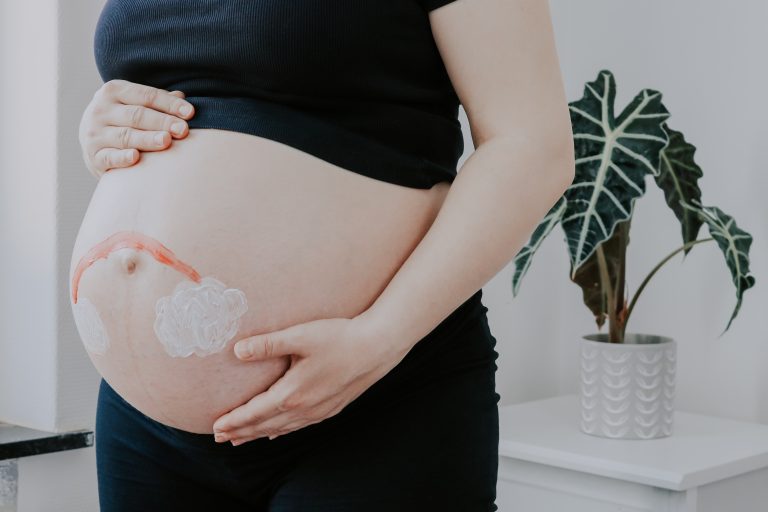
(130, 239)
(523, 162)
(502, 60)
(259, 216)
(125, 118)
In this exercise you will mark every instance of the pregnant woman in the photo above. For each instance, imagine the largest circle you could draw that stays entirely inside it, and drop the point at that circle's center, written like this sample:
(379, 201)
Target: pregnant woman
(283, 296)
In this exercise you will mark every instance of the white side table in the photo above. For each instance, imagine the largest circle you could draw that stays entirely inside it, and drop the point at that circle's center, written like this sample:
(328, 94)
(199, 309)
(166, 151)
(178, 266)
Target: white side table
(708, 464)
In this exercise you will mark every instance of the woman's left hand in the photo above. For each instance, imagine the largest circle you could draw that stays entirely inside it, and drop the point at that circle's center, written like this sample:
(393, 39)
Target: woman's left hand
(333, 361)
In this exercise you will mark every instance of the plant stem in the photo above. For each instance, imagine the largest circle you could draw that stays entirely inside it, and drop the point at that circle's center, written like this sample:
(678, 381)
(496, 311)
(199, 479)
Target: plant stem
(605, 286)
(655, 269)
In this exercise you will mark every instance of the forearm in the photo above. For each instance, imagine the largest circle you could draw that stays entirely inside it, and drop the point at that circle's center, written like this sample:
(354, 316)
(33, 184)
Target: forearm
(495, 202)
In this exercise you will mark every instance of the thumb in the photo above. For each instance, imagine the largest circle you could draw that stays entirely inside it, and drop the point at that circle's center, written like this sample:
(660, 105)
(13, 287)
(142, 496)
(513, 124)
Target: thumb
(272, 344)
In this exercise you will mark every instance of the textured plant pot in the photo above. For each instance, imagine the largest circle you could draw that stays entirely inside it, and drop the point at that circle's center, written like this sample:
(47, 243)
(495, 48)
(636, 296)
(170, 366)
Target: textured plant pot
(627, 389)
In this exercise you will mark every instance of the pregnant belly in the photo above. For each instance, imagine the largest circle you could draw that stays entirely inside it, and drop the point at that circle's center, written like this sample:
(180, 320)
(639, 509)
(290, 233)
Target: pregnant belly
(223, 236)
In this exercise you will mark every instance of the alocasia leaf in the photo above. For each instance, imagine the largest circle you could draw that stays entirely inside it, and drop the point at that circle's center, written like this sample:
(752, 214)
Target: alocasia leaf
(734, 243)
(678, 179)
(523, 258)
(613, 156)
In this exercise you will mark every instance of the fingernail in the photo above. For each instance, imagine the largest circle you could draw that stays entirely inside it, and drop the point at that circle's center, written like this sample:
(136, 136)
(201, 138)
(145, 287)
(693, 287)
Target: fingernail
(243, 349)
(177, 128)
(185, 110)
(127, 156)
(159, 139)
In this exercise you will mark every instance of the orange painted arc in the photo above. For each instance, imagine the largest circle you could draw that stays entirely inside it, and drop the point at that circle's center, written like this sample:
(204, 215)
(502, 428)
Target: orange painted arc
(135, 240)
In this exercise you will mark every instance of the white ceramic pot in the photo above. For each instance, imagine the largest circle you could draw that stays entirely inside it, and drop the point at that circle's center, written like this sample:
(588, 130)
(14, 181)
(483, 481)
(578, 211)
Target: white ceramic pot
(627, 389)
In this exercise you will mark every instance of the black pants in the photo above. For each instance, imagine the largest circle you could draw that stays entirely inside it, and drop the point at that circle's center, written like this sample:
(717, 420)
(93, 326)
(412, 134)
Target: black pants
(423, 438)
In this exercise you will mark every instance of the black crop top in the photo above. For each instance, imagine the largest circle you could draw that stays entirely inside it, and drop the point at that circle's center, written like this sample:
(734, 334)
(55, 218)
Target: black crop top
(358, 83)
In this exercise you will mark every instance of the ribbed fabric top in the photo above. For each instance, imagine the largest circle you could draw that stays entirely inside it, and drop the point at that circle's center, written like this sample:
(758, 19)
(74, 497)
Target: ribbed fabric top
(358, 83)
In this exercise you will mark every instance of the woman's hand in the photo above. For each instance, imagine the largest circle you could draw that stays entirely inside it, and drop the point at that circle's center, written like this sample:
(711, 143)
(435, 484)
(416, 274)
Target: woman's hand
(124, 118)
(333, 361)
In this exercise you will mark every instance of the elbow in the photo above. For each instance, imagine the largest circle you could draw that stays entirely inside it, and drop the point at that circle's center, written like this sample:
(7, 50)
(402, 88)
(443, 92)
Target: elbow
(566, 161)
(562, 150)
(556, 146)
(561, 160)
(562, 142)
(551, 153)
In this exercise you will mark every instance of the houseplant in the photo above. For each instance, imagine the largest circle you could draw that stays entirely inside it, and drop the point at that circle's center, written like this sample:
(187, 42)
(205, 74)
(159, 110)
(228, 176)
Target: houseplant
(628, 379)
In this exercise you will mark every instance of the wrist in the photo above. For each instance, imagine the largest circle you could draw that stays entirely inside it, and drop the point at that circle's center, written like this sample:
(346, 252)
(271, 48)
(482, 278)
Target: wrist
(383, 333)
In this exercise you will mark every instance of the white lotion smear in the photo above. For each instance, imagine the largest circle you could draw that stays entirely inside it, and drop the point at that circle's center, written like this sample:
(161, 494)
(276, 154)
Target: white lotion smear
(199, 318)
(91, 328)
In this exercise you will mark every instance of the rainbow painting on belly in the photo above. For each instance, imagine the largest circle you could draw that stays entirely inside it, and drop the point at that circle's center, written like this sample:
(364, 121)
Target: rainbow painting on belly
(133, 240)
(199, 317)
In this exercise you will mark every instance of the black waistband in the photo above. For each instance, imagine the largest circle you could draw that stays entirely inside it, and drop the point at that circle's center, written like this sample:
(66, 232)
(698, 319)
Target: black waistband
(470, 309)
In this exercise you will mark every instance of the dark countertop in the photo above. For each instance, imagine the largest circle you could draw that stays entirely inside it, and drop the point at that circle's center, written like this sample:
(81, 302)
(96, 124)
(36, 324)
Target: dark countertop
(18, 441)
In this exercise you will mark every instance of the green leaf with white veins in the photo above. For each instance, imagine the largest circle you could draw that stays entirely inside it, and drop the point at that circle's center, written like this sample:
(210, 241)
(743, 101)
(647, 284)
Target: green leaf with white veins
(523, 258)
(678, 179)
(733, 242)
(613, 156)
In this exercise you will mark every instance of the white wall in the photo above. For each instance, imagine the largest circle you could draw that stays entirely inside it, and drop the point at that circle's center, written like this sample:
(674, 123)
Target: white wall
(28, 157)
(47, 76)
(46, 63)
(78, 80)
(703, 56)
(708, 60)
(46, 380)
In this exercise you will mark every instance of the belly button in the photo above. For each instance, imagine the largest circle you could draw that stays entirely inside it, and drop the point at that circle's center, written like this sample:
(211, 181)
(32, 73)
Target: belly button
(129, 261)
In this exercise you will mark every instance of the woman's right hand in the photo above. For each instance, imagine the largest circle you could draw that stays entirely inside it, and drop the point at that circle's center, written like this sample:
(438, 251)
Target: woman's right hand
(124, 118)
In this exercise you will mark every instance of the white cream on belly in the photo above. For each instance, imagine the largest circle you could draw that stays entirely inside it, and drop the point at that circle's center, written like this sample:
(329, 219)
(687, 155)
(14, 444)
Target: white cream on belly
(91, 328)
(199, 318)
